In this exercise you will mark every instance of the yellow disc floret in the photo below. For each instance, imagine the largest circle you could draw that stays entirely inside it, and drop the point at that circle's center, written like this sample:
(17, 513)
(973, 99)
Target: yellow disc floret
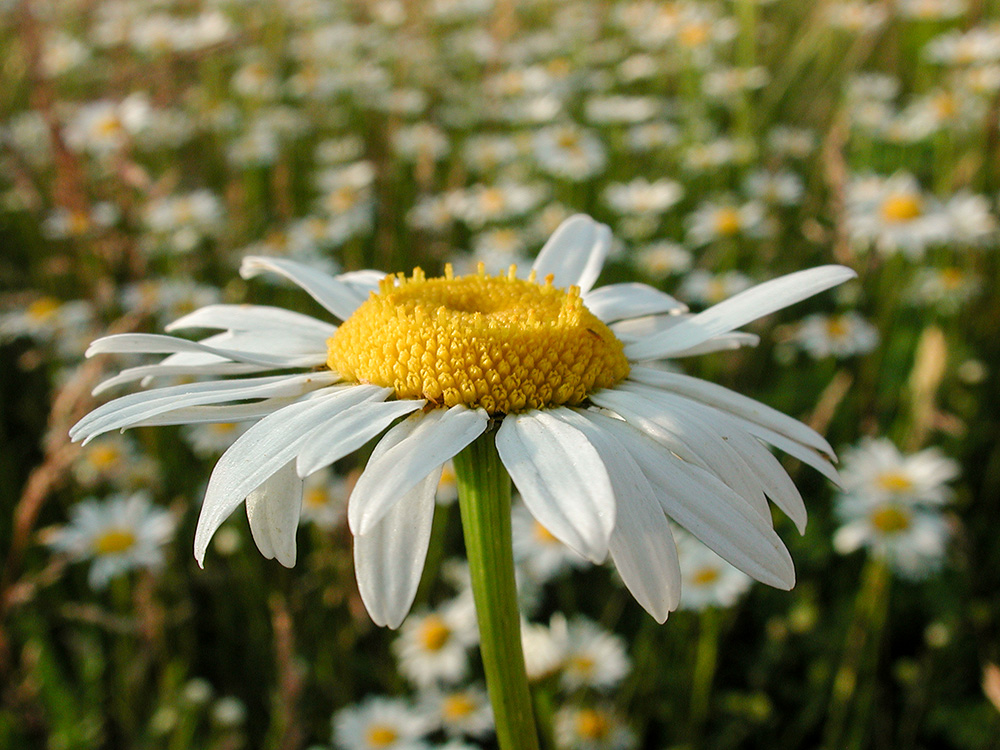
(497, 342)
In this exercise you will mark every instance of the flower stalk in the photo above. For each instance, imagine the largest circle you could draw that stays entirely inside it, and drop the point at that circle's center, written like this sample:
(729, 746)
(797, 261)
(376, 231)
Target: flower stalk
(484, 501)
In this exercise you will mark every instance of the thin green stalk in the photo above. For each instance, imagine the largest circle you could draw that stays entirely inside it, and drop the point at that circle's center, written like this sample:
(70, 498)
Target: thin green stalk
(705, 661)
(484, 501)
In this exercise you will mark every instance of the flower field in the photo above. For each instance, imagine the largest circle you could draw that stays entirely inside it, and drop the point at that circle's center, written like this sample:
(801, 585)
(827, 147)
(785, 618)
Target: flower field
(624, 250)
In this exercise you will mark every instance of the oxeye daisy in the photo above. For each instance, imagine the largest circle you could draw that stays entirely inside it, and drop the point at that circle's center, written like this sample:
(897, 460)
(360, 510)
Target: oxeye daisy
(601, 446)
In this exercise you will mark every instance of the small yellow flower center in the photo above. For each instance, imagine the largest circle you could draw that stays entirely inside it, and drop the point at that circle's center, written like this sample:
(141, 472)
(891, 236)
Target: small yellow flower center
(457, 706)
(592, 725)
(434, 633)
(895, 481)
(582, 665)
(694, 34)
(500, 343)
(836, 328)
(104, 456)
(951, 277)
(315, 497)
(223, 428)
(379, 735)
(890, 520)
(43, 308)
(114, 541)
(569, 141)
(705, 576)
(902, 207)
(727, 221)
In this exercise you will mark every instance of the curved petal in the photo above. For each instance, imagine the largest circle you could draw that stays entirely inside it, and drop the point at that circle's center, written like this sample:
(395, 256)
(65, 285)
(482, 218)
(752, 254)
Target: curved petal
(575, 253)
(251, 318)
(739, 310)
(338, 297)
(389, 559)
(561, 478)
(642, 544)
(618, 301)
(262, 450)
(418, 446)
(161, 370)
(273, 511)
(157, 343)
(349, 430)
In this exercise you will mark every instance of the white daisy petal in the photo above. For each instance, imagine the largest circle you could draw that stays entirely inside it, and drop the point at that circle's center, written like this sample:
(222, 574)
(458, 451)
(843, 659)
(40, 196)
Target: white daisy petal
(575, 253)
(339, 298)
(721, 343)
(273, 511)
(429, 441)
(349, 430)
(154, 343)
(252, 318)
(739, 310)
(129, 410)
(262, 450)
(734, 403)
(618, 301)
(142, 372)
(561, 479)
(207, 414)
(641, 545)
(389, 559)
(708, 509)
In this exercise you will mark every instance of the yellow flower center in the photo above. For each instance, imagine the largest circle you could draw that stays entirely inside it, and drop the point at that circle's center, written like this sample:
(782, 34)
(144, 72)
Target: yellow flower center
(379, 735)
(543, 535)
(500, 343)
(951, 277)
(457, 706)
(727, 221)
(114, 541)
(900, 208)
(895, 481)
(104, 456)
(705, 577)
(43, 308)
(694, 34)
(434, 633)
(592, 725)
(836, 328)
(583, 665)
(315, 497)
(890, 520)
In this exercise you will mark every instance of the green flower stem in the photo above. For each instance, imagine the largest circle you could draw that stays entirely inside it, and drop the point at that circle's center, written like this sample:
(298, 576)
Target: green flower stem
(705, 662)
(484, 500)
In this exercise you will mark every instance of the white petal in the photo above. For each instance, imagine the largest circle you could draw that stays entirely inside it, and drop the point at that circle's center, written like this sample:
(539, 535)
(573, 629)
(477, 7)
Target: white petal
(160, 370)
(734, 403)
(129, 410)
(262, 450)
(339, 298)
(252, 318)
(232, 413)
(273, 511)
(617, 301)
(642, 545)
(155, 343)
(561, 478)
(349, 430)
(708, 509)
(575, 253)
(389, 559)
(419, 445)
(721, 343)
(739, 310)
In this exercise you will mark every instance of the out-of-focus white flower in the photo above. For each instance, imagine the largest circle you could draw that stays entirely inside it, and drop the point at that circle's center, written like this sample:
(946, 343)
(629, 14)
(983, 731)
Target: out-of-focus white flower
(460, 711)
(642, 197)
(119, 534)
(432, 647)
(719, 220)
(570, 152)
(380, 724)
(662, 259)
(894, 215)
(597, 727)
(876, 469)
(537, 552)
(844, 335)
(782, 188)
(114, 460)
(592, 657)
(946, 289)
(324, 499)
(178, 223)
(706, 579)
(701, 287)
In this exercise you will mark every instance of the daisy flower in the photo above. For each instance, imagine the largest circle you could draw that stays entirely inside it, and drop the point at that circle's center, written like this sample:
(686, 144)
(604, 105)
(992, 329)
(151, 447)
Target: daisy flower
(122, 533)
(601, 445)
(462, 711)
(592, 728)
(433, 647)
(539, 554)
(877, 469)
(379, 724)
(840, 336)
(592, 657)
(706, 579)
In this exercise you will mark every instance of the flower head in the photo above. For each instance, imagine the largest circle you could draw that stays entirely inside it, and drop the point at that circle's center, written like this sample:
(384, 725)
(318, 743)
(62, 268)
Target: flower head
(601, 446)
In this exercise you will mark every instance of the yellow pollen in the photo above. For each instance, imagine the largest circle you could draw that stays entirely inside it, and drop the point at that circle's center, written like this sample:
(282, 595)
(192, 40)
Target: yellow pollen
(114, 541)
(727, 221)
(109, 126)
(592, 725)
(900, 208)
(836, 328)
(496, 342)
(890, 520)
(705, 577)
(434, 633)
(894, 481)
(457, 706)
(43, 308)
(379, 735)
